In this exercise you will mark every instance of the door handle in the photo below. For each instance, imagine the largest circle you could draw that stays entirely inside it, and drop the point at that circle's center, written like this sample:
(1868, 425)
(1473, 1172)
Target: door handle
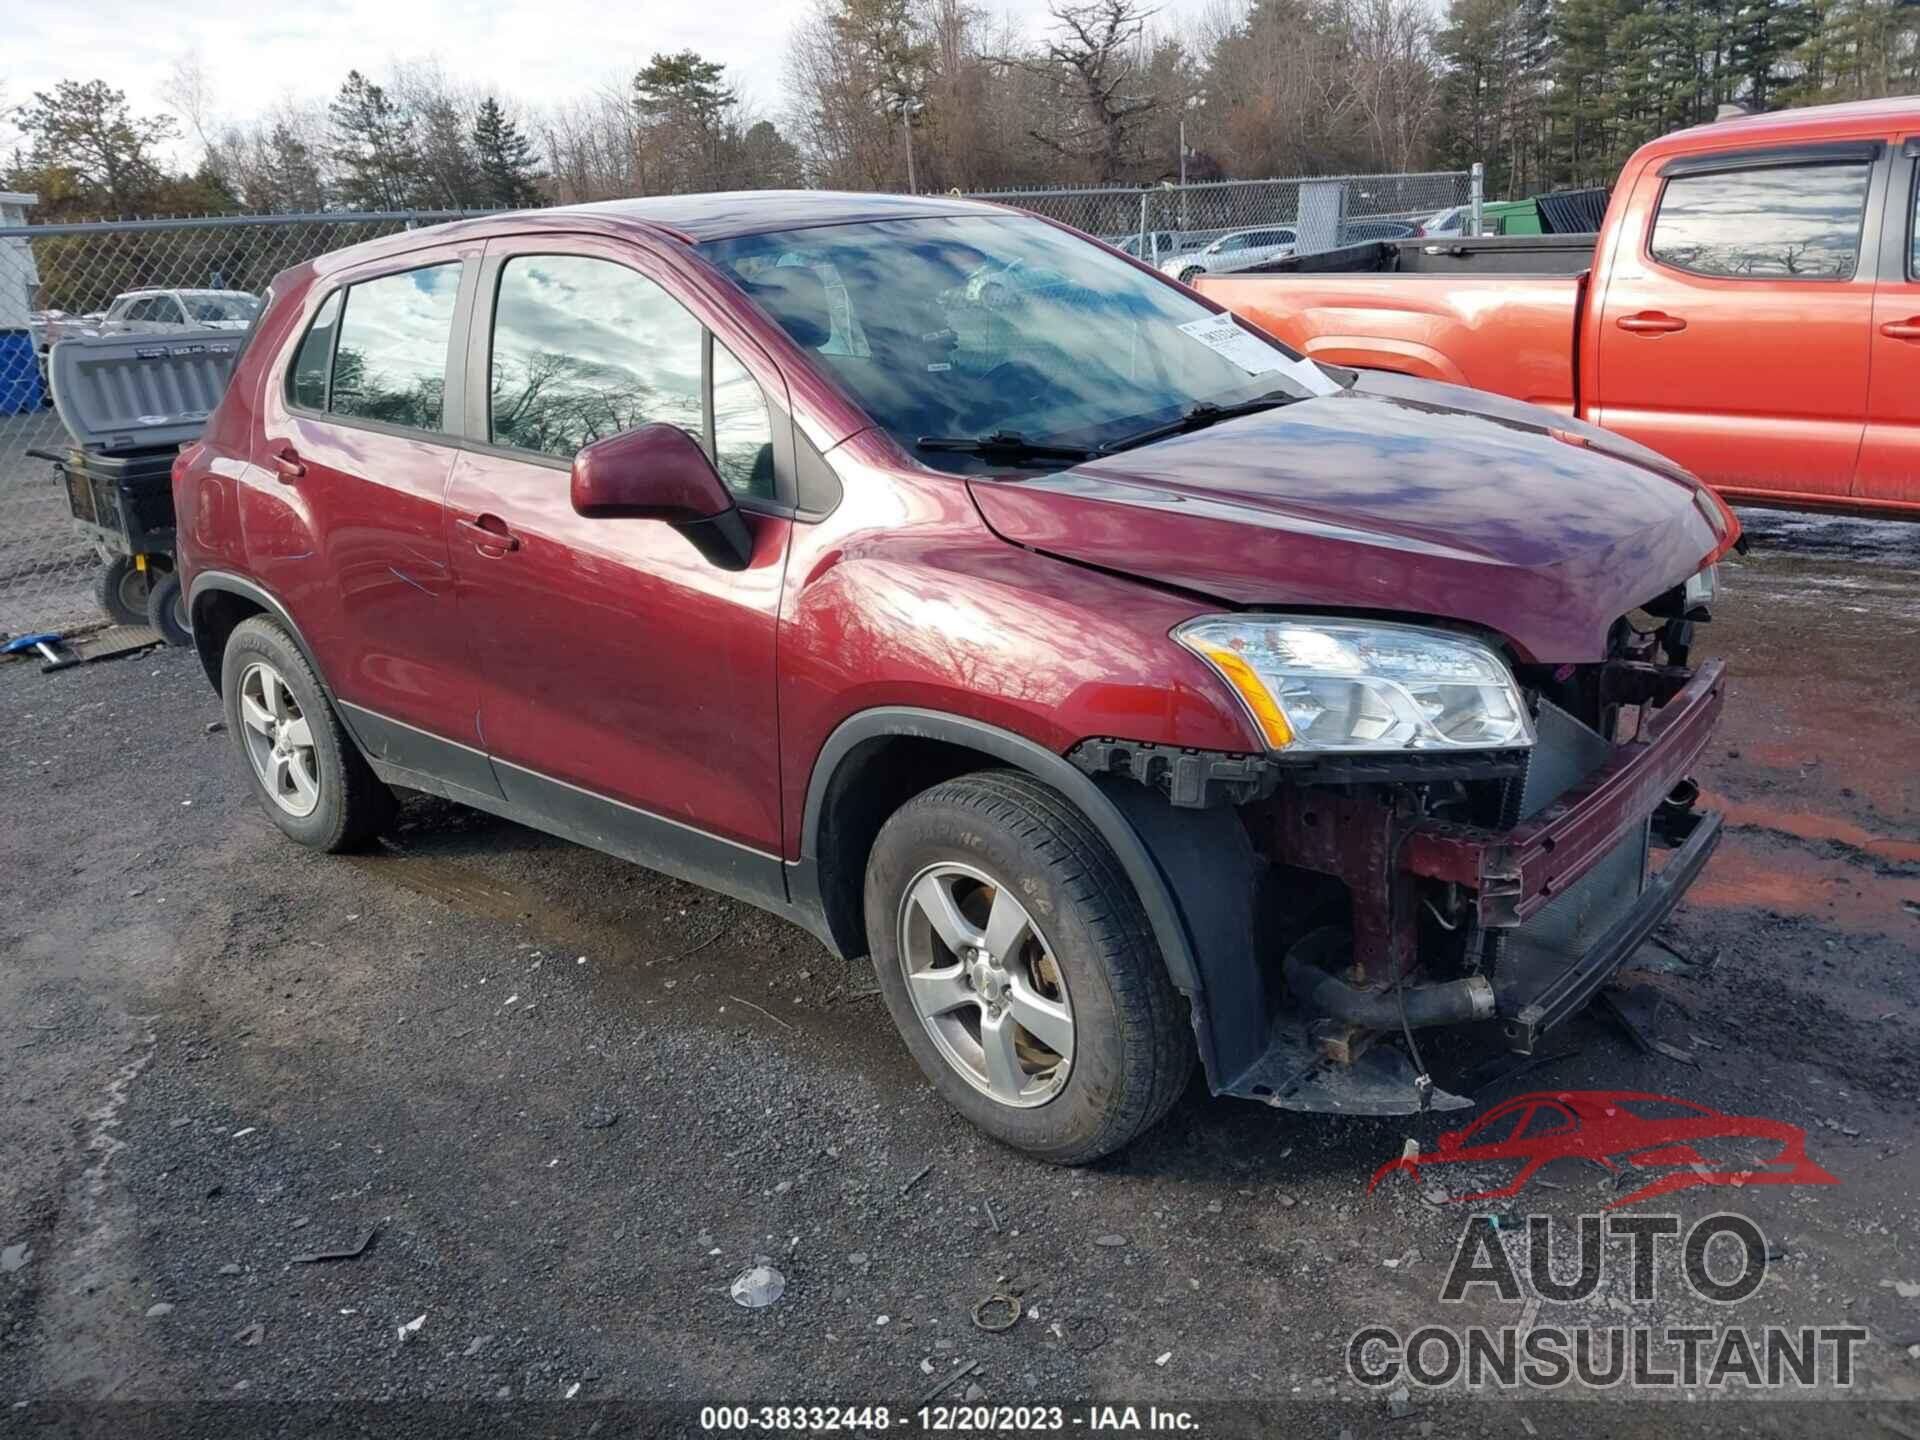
(1908, 329)
(490, 534)
(1651, 322)
(289, 464)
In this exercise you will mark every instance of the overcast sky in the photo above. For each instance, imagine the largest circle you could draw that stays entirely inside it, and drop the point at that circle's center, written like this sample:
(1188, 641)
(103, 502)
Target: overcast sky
(257, 52)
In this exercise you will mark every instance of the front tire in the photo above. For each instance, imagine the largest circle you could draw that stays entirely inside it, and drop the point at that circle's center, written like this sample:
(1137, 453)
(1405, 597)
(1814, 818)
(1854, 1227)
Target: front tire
(1021, 970)
(1190, 274)
(306, 772)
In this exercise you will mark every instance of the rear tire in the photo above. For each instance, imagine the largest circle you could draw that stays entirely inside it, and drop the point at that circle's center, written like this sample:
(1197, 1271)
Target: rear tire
(167, 610)
(121, 588)
(306, 771)
(1088, 950)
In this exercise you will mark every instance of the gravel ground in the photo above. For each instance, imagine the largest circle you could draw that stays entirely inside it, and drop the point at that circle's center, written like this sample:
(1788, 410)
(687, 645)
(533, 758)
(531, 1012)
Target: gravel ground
(571, 1100)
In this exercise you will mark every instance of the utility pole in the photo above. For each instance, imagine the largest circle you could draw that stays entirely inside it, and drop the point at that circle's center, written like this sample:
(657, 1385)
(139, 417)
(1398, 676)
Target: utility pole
(909, 107)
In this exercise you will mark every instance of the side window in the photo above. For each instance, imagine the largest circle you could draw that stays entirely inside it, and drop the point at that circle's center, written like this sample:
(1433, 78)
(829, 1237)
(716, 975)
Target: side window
(307, 379)
(742, 429)
(585, 348)
(141, 309)
(1781, 222)
(391, 360)
(167, 309)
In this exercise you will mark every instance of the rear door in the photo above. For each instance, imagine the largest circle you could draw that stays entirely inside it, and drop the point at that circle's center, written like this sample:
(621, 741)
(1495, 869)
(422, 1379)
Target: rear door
(1734, 326)
(349, 528)
(626, 682)
(1889, 472)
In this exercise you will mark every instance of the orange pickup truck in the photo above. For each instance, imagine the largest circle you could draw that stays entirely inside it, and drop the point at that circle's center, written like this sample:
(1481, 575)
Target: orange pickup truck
(1750, 307)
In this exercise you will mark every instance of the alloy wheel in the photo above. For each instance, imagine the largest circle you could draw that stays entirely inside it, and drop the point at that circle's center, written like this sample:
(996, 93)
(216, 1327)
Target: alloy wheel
(986, 985)
(279, 740)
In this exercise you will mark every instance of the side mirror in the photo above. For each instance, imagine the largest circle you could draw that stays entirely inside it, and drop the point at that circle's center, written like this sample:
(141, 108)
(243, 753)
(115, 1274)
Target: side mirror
(659, 472)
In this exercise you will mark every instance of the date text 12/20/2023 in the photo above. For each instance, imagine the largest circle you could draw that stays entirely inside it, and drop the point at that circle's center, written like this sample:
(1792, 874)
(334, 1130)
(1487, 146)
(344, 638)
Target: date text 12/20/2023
(940, 1419)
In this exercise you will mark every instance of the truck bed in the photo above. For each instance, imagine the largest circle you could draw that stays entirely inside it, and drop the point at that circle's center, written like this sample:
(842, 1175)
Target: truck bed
(1460, 321)
(1445, 255)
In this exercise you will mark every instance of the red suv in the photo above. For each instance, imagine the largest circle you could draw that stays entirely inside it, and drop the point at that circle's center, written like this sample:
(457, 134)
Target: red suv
(1128, 687)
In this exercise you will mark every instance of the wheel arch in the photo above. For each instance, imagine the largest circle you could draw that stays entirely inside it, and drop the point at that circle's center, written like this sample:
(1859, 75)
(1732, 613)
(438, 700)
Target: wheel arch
(1186, 866)
(219, 602)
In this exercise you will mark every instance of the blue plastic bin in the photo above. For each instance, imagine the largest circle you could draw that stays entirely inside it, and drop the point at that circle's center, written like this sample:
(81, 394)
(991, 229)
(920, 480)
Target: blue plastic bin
(20, 389)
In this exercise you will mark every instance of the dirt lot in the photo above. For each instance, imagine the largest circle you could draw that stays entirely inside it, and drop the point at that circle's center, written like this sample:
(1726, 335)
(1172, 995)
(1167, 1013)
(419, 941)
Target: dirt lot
(572, 1100)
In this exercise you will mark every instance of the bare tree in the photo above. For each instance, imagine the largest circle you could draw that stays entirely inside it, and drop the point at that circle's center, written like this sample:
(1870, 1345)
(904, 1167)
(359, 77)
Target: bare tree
(1092, 61)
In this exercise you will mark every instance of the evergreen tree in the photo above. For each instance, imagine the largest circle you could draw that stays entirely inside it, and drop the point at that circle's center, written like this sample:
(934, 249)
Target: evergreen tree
(375, 147)
(505, 159)
(448, 164)
(93, 148)
(687, 86)
(289, 174)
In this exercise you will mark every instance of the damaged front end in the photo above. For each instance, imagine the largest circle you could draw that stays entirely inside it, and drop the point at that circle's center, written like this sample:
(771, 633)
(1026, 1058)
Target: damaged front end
(1380, 895)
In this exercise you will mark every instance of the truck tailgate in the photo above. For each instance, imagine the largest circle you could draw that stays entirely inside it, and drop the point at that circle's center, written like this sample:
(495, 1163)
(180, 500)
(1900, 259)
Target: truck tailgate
(1514, 335)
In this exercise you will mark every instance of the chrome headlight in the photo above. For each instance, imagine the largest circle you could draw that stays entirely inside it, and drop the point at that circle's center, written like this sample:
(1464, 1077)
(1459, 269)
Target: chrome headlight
(1352, 686)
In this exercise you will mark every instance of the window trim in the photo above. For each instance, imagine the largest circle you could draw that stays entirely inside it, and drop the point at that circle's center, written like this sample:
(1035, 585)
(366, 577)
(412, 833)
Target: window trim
(451, 414)
(501, 250)
(1776, 157)
(1863, 260)
(325, 411)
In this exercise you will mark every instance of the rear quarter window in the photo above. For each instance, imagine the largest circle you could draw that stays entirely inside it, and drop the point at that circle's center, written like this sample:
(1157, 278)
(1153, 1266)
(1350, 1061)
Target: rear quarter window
(377, 350)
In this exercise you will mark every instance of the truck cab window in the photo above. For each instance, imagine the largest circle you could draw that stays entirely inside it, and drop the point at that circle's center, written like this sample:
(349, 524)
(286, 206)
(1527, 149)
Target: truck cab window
(1782, 222)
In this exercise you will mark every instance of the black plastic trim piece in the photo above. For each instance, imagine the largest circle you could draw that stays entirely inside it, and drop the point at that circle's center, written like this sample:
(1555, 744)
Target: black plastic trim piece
(595, 820)
(1205, 778)
(1716, 162)
(1195, 779)
(1043, 764)
(394, 742)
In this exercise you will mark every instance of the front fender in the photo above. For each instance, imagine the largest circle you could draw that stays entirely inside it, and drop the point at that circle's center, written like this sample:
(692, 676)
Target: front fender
(1193, 869)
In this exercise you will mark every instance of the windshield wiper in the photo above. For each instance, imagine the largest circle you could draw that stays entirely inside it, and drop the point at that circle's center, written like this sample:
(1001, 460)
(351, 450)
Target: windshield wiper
(1198, 416)
(1008, 445)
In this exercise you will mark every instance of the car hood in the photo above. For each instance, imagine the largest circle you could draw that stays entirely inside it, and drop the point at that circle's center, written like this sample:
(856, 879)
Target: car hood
(1398, 496)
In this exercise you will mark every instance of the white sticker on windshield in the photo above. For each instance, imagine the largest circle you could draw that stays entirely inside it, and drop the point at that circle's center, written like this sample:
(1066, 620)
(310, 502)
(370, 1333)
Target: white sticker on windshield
(1228, 340)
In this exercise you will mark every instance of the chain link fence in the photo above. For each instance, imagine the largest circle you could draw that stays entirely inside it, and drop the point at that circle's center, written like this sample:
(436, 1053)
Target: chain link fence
(58, 281)
(1235, 224)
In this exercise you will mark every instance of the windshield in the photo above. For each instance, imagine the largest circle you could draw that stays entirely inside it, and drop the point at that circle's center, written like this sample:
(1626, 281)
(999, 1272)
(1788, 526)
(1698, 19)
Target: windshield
(977, 325)
(211, 309)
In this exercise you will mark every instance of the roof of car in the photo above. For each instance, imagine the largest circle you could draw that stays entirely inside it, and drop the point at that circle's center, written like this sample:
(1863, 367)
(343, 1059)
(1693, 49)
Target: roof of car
(694, 219)
(728, 213)
(1810, 122)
